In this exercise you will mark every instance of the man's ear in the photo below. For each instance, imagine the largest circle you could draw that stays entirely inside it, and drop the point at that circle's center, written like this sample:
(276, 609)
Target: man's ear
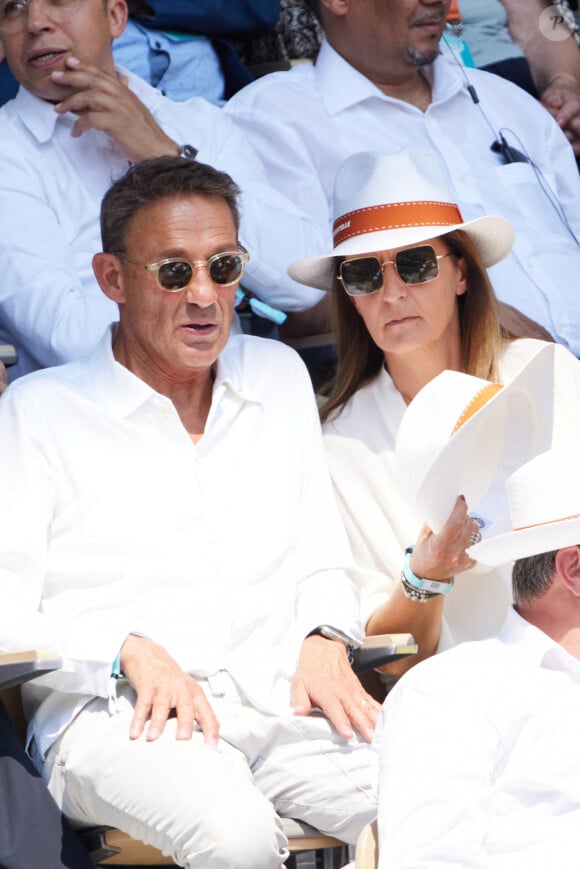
(336, 7)
(117, 14)
(568, 568)
(107, 269)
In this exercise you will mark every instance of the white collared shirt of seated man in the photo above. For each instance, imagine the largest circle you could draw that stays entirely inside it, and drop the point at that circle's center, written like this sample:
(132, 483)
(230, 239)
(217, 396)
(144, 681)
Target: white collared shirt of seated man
(171, 505)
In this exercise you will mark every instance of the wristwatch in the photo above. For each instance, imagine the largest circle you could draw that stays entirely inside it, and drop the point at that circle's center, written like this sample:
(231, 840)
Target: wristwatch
(331, 633)
(188, 152)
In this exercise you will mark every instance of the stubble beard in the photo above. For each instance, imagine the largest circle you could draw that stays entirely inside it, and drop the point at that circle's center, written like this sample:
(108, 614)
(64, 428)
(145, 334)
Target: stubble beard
(421, 58)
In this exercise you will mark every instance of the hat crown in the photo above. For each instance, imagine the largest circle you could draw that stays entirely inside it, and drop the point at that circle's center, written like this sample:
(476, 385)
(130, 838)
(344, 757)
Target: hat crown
(391, 201)
(546, 490)
(367, 179)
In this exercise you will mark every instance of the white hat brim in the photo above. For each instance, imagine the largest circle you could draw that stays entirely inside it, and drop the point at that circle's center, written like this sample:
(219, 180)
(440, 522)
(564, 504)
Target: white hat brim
(493, 236)
(511, 546)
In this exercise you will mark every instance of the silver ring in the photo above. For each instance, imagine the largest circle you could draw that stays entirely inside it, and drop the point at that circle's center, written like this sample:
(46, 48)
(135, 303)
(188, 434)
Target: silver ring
(364, 702)
(475, 537)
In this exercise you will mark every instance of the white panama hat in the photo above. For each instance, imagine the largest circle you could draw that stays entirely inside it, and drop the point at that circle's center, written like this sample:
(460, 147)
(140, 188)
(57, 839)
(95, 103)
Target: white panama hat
(387, 201)
(462, 435)
(544, 505)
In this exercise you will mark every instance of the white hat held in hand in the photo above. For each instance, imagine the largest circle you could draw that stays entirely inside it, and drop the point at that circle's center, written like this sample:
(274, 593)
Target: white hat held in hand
(388, 201)
(464, 436)
(544, 505)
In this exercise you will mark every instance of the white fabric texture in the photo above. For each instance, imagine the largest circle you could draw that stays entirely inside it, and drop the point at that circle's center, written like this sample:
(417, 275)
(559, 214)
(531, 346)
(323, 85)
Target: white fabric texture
(479, 757)
(217, 806)
(305, 122)
(51, 186)
(227, 552)
(379, 516)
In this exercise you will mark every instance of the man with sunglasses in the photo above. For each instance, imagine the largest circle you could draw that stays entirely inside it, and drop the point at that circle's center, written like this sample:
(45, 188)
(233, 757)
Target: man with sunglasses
(76, 123)
(171, 530)
(379, 84)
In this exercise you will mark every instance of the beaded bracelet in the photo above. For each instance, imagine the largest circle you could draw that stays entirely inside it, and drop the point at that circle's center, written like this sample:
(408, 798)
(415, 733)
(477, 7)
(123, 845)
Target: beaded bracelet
(418, 589)
(415, 594)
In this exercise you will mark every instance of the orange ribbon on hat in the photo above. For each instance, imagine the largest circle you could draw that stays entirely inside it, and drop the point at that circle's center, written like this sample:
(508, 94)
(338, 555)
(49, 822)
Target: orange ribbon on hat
(549, 522)
(395, 215)
(478, 401)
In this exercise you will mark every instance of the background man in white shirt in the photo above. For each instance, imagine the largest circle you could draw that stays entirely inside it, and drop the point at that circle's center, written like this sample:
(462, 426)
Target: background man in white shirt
(168, 502)
(378, 84)
(75, 125)
(479, 750)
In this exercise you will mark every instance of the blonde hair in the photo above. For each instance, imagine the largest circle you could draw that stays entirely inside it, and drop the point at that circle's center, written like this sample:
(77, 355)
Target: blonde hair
(359, 359)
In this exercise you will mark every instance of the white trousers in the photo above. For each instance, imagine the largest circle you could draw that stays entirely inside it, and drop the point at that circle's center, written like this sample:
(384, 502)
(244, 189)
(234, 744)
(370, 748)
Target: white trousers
(213, 807)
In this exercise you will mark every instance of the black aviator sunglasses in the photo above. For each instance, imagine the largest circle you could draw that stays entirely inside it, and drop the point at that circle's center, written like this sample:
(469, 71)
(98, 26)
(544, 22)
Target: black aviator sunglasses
(414, 265)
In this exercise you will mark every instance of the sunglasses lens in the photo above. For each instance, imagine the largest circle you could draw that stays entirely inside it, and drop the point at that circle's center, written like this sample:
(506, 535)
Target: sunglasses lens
(226, 268)
(361, 276)
(416, 265)
(174, 275)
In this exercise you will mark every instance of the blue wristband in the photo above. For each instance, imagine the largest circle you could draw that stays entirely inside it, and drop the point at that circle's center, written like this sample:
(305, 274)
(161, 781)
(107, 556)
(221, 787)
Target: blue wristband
(431, 585)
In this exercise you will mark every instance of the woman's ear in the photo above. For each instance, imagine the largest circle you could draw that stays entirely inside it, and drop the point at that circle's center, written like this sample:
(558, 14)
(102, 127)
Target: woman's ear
(461, 287)
(107, 269)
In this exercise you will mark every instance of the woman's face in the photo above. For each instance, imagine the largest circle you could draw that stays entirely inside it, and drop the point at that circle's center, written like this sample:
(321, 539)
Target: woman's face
(402, 317)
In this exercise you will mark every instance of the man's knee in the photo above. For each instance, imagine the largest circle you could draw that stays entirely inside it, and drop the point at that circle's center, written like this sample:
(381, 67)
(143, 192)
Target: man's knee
(236, 835)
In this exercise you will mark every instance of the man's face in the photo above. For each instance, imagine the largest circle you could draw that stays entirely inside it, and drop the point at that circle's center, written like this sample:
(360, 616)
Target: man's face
(175, 336)
(386, 38)
(43, 45)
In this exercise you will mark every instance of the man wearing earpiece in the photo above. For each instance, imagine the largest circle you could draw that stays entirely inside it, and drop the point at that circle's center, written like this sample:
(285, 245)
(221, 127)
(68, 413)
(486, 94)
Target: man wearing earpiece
(379, 84)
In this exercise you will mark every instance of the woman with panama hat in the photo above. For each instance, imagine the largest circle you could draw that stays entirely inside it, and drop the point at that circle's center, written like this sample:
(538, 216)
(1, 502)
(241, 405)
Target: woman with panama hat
(411, 298)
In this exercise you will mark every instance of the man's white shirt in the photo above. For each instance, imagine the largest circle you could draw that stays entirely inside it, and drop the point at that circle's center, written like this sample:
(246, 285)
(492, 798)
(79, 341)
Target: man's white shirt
(480, 758)
(227, 552)
(51, 186)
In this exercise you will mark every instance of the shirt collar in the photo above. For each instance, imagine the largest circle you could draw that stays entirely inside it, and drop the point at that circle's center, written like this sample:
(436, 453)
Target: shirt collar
(40, 118)
(121, 392)
(536, 647)
(37, 115)
(342, 86)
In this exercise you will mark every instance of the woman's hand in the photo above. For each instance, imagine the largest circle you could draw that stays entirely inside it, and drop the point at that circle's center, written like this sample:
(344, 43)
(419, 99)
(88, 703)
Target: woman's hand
(442, 555)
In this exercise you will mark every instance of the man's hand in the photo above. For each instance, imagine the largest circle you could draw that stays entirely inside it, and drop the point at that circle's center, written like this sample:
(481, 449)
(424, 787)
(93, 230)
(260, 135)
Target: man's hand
(161, 685)
(3, 378)
(562, 99)
(104, 102)
(324, 679)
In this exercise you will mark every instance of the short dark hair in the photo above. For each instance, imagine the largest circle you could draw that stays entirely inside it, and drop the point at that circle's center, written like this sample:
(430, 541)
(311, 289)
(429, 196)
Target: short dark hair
(532, 576)
(314, 6)
(156, 179)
